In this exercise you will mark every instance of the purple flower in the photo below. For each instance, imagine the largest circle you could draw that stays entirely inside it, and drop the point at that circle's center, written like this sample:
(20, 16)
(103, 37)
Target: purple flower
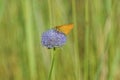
(53, 38)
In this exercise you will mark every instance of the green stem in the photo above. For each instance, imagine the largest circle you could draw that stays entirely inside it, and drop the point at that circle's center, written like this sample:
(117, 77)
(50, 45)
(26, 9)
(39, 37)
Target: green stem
(52, 65)
(86, 41)
(50, 6)
(76, 47)
(27, 11)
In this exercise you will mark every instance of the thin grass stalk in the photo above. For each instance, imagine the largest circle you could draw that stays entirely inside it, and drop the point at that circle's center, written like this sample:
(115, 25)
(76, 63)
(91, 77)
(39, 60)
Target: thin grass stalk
(114, 38)
(111, 40)
(2, 8)
(50, 13)
(100, 24)
(76, 47)
(29, 37)
(3, 61)
(115, 62)
(110, 58)
(86, 40)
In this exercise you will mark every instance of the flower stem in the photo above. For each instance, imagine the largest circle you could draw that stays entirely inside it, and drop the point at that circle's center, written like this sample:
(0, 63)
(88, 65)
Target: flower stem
(52, 64)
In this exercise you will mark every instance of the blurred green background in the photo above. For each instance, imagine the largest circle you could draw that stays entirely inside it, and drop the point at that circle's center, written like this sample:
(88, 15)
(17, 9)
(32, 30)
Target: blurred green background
(92, 51)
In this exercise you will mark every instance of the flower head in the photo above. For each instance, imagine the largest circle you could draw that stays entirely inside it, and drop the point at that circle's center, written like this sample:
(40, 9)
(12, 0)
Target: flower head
(53, 38)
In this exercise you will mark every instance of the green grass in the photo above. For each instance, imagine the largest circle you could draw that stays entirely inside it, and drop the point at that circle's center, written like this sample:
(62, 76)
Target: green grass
(92, 51)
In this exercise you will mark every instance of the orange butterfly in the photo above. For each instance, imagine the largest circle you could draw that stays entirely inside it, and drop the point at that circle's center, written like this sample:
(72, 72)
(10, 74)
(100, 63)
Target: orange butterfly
(65, 28)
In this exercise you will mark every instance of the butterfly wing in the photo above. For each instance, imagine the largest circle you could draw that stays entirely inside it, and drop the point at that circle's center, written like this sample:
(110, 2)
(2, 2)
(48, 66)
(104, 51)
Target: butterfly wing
(65, 28)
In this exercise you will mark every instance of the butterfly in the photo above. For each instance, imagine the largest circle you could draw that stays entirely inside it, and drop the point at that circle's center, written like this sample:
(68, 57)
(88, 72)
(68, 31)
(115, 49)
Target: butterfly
(64, 28)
